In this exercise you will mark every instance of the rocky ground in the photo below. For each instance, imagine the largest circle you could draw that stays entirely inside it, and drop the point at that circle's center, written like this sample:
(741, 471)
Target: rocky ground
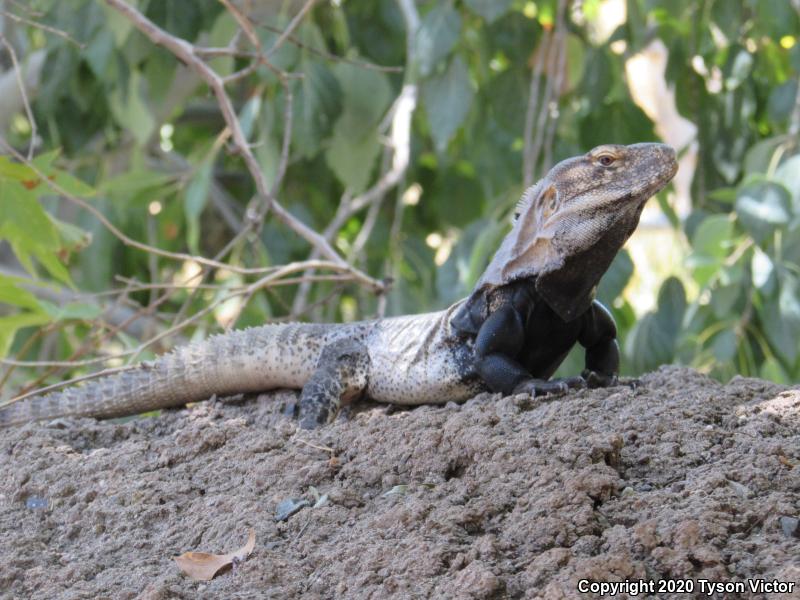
(682, 478)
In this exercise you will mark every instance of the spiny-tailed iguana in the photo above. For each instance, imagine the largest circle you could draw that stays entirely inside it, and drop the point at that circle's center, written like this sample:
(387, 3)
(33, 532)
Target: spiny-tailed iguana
(533, 303)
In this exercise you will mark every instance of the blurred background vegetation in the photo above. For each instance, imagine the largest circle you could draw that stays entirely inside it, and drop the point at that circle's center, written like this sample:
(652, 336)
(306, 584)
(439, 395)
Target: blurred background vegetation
(414, 128)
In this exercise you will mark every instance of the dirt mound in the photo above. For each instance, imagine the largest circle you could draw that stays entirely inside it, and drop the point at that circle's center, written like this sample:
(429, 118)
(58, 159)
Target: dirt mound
(682, 478)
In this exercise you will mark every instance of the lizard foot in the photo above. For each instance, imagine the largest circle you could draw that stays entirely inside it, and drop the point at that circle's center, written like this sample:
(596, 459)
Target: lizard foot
(599, 380)
(537, 387)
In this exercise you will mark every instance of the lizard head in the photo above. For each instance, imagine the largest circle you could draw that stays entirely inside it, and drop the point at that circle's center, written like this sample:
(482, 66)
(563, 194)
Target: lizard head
(608, 180)
(569, 226)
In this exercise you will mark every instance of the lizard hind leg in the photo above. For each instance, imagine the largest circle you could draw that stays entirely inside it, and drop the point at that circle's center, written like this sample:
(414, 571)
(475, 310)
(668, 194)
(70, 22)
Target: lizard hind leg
(341, 373)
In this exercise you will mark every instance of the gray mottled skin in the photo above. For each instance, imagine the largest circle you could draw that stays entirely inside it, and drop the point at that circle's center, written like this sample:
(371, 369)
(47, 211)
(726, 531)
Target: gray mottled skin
(409, 360)
(569, 227)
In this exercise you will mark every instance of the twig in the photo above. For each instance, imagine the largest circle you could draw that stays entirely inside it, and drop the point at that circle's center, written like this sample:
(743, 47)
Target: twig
(316, 446)
(293, 24)
(288, 116)
(528, 167)
(338, 265)
(37, 25)
(25, 102)
(27, 9)
(401, 112)
(246, 26)
(185, 52)
(560, 68)
(551, 52)
(327, 55)
(60, 384)
(69, 364)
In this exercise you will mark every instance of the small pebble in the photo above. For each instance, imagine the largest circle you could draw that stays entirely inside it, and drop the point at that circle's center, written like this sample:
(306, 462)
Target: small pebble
(790, 526)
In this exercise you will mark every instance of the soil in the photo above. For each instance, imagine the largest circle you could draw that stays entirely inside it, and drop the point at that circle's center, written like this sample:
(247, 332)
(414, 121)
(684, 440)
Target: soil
(680, 478)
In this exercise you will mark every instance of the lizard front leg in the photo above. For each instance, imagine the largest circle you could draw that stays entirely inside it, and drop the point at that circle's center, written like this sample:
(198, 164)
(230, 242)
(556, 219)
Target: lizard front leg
(498, 343)
(341, 373)
(599, 337)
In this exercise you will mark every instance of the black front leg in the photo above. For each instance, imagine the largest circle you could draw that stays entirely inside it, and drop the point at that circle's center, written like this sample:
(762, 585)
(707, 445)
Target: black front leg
(499, 341)
(497, 344)
(599, 337)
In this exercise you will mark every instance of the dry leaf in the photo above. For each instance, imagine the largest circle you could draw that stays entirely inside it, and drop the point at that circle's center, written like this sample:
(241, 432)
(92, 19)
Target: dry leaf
(202, 566)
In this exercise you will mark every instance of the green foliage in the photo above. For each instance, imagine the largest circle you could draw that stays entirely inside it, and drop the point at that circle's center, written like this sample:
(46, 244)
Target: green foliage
(128, 119)
(746, 317)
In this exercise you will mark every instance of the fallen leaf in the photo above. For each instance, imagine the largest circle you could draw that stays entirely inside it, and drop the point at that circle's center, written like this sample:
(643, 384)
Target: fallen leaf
(399, 490)
(202, 566)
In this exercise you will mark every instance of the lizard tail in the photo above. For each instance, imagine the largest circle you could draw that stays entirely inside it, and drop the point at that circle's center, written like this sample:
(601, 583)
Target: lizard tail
(256, 359)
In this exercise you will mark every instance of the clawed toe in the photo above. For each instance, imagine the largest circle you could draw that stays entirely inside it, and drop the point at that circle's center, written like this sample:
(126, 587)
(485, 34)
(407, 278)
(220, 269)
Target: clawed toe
(599, 380)
(538, 387)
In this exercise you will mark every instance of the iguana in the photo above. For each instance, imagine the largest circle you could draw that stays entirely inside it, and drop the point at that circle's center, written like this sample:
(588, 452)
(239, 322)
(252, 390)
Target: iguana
(533, 303)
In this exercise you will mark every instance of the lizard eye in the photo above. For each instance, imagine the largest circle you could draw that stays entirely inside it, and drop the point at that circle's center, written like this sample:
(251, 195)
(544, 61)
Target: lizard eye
(606, 160)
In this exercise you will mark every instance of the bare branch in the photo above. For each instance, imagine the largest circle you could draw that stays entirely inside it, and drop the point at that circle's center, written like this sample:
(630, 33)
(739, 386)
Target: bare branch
(185, 52)
(550, 51)
(315, 51)
(43, 27)
(293, 24)
(530, 114)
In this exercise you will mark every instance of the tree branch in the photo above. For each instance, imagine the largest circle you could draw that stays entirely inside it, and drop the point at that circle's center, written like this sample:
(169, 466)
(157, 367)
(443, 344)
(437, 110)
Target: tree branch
(185, 51)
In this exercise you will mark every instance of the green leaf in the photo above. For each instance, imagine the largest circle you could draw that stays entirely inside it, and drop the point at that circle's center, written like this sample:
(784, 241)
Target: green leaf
(772, 370)
(619, 122)
(788, 174)
(11, 293)
(317, 101)
(781, 320)
(366, 96)
(762, 207)
(739, 70)
(723, 299)
(671, 304)
(724, 345)
(29, 229)
(447, 99)
(15, 171)
(759, 155)
(195, 201)
(653, 340)
(781, 101)
(648, 346)
(763, 270)
(352, 152)
(616, 278)
(9, 326)
(131, 110)
(99, 51)
(249, 114)
(30, 177)
(352, 160)
(490, 10)
(73, 310)
(436, 37)
(711, 236)
(133, 182)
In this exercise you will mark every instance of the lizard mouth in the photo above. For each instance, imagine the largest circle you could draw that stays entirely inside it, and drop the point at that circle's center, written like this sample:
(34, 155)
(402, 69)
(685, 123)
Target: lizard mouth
(666, 167)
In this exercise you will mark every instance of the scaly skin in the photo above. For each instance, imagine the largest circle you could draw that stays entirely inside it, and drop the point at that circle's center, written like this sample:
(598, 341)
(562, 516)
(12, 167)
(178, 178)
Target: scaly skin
(422, 368)
(533, 303)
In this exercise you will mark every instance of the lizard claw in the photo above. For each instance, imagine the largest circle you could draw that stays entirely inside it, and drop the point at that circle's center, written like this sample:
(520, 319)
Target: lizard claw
(599, 380)
(538, 387)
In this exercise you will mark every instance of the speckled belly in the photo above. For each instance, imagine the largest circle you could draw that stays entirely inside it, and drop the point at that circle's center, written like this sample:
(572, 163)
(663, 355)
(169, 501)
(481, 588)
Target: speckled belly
(417, 361)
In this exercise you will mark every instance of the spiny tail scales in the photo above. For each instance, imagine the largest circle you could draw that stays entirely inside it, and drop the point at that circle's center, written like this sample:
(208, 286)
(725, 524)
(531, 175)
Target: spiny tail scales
(256, 359)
